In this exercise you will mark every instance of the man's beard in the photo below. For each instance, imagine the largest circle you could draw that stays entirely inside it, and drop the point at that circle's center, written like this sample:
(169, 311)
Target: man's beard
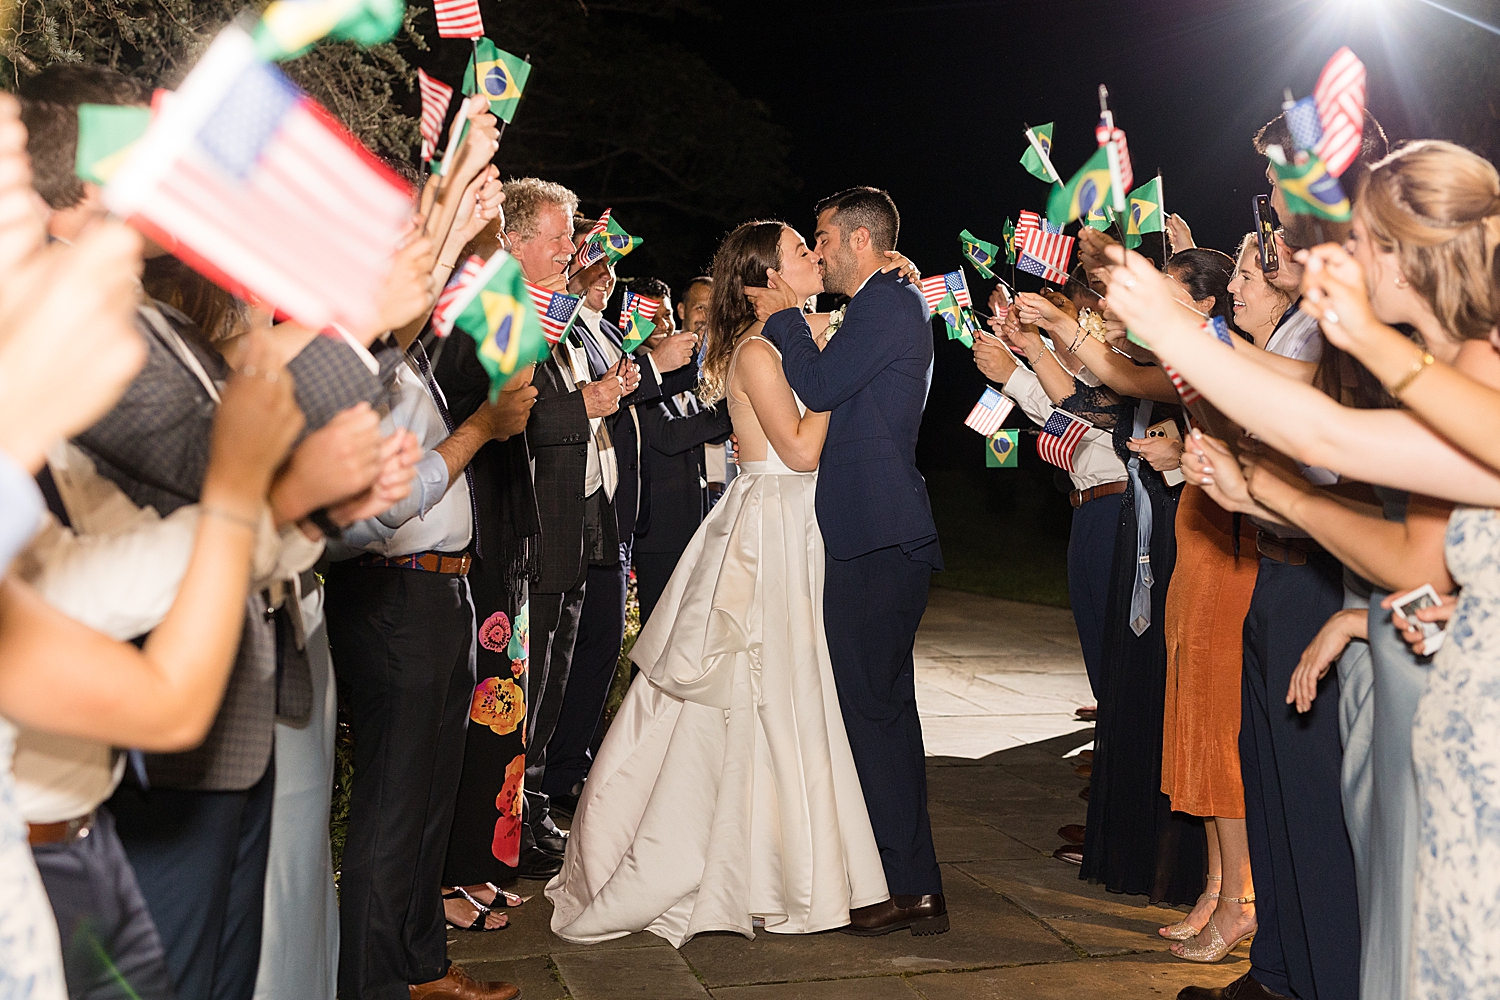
(839, 269)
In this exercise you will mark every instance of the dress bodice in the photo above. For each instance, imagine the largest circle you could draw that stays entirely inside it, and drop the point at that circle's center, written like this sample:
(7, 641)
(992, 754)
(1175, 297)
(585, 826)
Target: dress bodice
(747, 428)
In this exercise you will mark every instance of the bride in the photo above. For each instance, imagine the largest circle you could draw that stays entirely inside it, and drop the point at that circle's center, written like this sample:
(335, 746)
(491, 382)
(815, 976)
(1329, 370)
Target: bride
(725, 793)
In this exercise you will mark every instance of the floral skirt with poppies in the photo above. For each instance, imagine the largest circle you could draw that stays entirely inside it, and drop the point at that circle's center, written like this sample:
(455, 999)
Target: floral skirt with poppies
(486, 839)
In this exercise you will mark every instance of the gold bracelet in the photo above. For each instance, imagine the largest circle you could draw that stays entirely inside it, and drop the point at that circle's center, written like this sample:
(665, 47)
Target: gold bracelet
(209, 510)
(1418, 367)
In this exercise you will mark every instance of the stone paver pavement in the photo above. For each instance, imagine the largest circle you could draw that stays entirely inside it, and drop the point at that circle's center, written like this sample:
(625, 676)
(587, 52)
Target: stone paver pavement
(997, 685)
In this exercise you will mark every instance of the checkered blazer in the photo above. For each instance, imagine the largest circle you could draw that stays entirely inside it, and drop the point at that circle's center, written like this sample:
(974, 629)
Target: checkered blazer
(155, 444)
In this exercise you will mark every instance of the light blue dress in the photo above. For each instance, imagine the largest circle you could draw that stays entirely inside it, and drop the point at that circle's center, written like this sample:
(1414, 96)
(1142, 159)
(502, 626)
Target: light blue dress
(1456, 750)
(30, 957)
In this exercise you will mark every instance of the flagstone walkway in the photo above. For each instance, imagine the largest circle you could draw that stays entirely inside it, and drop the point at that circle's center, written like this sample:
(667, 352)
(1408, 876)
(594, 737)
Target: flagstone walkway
(997, 683)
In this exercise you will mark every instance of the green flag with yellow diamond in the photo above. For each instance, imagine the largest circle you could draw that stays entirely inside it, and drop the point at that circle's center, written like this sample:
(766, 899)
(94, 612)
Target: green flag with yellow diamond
(981, 254)
(1145, 212)
(1038, 156)
(288, 28)
(106, 135)
(501, 318)
(1008, 234)
(1000, 449)
(497, 75)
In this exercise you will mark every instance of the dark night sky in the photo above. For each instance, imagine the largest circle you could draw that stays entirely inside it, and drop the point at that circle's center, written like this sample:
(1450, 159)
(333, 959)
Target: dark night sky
(926, 98)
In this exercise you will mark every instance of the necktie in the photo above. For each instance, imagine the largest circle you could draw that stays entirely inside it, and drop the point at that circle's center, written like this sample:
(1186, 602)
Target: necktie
(1140, 595)
(609, 473)
(419, 354)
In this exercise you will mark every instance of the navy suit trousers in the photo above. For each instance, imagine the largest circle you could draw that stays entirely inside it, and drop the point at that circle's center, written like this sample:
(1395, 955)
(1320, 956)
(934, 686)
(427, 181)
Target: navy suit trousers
(1091, 553)
(872, 605)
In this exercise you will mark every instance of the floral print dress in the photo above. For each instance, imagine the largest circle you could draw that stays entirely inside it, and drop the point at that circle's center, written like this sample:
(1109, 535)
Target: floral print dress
(1456, 750)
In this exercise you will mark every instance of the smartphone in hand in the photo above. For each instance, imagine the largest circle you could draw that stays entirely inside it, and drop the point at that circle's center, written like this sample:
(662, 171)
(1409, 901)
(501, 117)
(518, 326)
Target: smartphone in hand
(1265, 233)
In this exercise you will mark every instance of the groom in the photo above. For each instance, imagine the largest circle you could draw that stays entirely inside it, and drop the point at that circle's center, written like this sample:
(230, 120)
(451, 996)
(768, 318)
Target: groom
(881, 543)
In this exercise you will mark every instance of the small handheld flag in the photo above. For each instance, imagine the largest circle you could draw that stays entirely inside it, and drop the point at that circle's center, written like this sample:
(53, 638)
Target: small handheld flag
(1009, 235)
(939, 285)
(1340, 97)
(1309, 188)
(493, 309)
(1187, 393)
(637, 316)
(1085, 194)
(990, 412)
(497, 75)
(1059, 437)
(556, 310)
(458, 19)
(1038, 156)
(1000, 449)
(1112, 141)
(436, 96)
(288, 28)
(443, 313)
(606, 240)
(981, 254)
(106, 135)
(1145, 212)
(1030, 223)
(1304, 122)
(953, 315)
(1047, 253)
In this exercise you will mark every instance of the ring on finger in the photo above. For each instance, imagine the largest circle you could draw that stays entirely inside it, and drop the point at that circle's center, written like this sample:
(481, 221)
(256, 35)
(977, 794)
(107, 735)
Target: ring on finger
(1330, 317)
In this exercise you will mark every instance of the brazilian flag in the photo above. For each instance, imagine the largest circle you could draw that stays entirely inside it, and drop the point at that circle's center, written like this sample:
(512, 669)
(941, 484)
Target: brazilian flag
(106, 135)
(1084, 195)
(953, 315)
(637, 329)
(1042, 135)
(981, 254)
(499, 315)
(612, 241)
(1000, 449)
(288, 28)
(1101, 218)
(497, 75)
(1008, 234)
(1145, 212)
(1310, 189)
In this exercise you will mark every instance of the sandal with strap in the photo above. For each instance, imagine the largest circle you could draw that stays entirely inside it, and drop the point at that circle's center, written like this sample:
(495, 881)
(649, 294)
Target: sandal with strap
(480, 923)
(1209, 946)
(1184, 931)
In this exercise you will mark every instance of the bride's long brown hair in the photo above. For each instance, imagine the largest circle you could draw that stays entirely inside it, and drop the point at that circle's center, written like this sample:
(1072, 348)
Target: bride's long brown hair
(741, 262)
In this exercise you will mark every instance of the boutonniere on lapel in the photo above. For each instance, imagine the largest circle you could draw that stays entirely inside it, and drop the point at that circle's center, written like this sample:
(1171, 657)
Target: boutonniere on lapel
(835, 320)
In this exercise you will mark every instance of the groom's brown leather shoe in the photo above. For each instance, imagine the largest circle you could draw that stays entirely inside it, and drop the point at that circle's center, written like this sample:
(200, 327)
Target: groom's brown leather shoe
(456, 985)
(923, 914)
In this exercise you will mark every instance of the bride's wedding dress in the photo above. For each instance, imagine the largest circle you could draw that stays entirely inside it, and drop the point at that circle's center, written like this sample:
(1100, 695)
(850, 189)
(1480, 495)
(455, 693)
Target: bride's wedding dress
(725, 790)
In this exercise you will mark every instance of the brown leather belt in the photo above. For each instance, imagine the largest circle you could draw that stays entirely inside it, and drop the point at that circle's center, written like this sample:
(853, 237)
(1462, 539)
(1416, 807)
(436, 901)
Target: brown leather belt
(1080, 497)
(67, 831)
(432, 562)
(1292, 551)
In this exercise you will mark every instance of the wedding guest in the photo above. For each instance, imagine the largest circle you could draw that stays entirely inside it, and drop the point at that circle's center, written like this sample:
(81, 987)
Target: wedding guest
(575, 474)
(692, 315)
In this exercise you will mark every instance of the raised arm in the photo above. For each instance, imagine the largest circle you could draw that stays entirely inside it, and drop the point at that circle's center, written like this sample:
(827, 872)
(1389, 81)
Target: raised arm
(879, 328)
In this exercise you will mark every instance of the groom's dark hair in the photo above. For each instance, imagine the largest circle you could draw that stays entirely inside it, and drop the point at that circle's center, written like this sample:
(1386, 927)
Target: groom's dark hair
(869, 207)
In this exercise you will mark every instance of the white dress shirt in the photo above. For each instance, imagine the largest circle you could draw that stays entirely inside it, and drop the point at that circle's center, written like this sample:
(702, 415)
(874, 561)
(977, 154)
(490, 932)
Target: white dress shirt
(1094, 462)
(436, 516)
(574, 362)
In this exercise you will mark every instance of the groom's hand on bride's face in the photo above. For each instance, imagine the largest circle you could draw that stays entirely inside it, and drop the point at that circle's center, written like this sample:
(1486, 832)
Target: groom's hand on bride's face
(776, 296)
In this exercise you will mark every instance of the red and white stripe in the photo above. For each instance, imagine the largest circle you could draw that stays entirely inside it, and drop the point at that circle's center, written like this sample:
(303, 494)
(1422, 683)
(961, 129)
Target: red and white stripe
(443, 314)
(990, 412)
(633, 302)
(1187, 392)
(1030, 223)
(436, 96)
(1053, 251)
(459, 19)
(1058, 449)
(1340, 97)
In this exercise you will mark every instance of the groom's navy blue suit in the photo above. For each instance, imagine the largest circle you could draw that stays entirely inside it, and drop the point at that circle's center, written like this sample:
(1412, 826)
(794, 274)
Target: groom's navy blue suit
(881, 548)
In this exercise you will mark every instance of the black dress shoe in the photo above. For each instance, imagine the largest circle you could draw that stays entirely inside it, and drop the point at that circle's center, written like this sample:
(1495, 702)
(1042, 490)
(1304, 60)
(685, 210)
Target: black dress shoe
(923, 914)
(548, 837)
(564, 805)
(1243, 988)
(538, 864)
(1071, 853)
(1072, 833)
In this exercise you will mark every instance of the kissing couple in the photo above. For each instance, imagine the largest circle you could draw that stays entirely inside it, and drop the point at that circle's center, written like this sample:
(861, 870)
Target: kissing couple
(766, 766)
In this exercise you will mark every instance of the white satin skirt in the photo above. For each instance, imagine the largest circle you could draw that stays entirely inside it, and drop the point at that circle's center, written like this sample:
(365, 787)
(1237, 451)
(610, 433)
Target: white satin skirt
(725, 790)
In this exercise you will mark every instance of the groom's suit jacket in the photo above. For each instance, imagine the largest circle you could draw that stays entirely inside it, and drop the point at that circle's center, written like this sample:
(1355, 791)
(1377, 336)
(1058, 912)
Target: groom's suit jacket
(874, 376)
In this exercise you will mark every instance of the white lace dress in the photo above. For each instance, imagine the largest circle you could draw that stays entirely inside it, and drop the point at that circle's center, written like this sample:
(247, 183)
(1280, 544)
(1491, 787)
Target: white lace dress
(1456, 750)
(725, 790)
(30, 956)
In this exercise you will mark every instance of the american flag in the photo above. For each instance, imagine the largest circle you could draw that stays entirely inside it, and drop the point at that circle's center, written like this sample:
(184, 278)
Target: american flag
(1305, 124)
(258, 188)
(1030, 223)
(939, 285)
(1340, 96)
(436, 96)
(1188, 393)
(1047, 253)
(444, 313)
(459, 19)
(591, 249)
(1106, 133)
(634, 302)
(1059, 438)
(990, 412)
(556, 310)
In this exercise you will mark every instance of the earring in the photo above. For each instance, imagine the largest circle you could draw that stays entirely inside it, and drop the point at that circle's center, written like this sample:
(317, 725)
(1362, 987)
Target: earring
(1402, 282)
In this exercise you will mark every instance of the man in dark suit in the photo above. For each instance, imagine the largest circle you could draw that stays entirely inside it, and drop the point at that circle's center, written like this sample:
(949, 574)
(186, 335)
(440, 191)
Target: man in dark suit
(601, 627)
(674, 485)
(877, 526)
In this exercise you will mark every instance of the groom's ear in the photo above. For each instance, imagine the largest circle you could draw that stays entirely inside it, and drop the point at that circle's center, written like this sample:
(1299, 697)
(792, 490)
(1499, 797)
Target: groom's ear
(859, 239)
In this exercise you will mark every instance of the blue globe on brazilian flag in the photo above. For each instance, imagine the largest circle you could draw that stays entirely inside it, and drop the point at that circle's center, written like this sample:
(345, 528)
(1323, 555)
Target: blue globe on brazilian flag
(497, 75)
(1083, 196)
(496, 310)
(1000, 449)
